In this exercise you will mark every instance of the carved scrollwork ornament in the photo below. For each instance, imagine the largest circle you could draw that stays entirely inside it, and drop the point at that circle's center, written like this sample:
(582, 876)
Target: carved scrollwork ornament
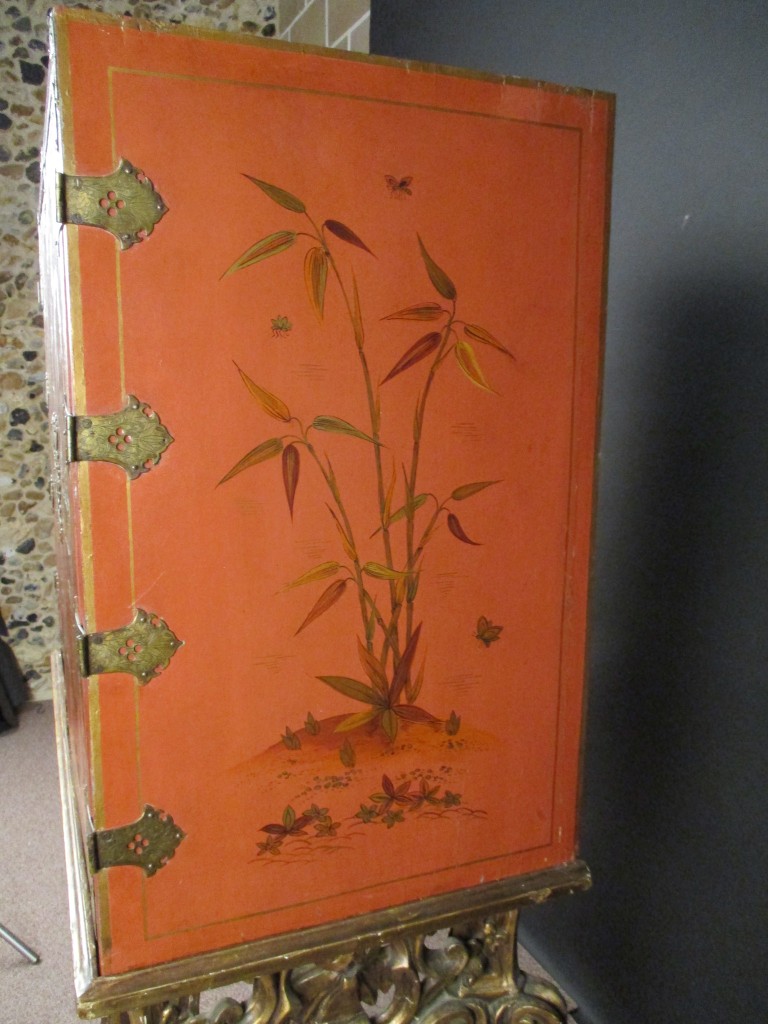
(469, 975)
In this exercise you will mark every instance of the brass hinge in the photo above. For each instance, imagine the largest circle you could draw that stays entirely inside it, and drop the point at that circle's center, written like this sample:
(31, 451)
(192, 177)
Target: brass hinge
(133, 438)
(148, 843)
(143, 649)
(125, 203)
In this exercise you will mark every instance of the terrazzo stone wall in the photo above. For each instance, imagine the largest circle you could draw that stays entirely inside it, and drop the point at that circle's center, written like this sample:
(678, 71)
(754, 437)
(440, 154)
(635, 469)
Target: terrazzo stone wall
(27, 583)
(27, 580)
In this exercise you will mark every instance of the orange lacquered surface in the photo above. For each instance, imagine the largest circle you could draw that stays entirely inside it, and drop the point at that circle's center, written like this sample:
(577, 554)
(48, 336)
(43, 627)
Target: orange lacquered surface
(508, 194)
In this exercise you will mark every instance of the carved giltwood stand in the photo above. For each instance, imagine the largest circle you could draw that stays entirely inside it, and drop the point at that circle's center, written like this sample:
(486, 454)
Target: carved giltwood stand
(464, 975)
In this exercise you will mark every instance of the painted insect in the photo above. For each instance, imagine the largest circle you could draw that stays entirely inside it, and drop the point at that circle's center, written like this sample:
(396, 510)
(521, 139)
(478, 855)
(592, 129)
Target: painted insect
(280, 326)
(487, 633)
(398, 187)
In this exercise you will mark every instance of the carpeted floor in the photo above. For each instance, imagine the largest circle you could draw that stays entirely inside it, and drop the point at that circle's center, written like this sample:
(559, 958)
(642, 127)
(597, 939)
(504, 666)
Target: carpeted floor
(33, 889)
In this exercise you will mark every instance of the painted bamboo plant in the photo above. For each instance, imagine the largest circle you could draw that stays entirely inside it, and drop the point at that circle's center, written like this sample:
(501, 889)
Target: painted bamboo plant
(386, 590)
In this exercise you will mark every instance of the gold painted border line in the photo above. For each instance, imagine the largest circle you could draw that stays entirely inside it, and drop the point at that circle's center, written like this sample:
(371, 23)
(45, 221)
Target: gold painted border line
(303, 90)
(356, 892)
(571, 517)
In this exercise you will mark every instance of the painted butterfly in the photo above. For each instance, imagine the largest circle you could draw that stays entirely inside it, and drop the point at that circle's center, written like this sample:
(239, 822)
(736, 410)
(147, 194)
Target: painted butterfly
(487, 633)
(398, 187)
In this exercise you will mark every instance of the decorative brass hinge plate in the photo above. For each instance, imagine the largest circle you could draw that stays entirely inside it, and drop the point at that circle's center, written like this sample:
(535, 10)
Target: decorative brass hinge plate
(133, 438)
(142, 649)
(148, 843)
(125, 203)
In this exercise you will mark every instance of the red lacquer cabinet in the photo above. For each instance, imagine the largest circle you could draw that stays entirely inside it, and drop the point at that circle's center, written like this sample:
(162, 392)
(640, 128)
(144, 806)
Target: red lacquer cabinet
(324, 348)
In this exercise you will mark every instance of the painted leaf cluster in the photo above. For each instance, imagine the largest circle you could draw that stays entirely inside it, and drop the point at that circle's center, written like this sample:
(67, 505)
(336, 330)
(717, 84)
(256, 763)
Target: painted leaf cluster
(381, 694)
(390, 804)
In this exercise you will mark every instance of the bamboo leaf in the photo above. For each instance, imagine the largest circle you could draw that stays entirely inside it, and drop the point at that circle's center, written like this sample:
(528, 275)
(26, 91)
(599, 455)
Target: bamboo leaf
(351, 688)
(346, 542)
(486, 338)
(413, 714)
(355, 721)
(262, 250)
(266, 450)
(407, 485)
(418, 419)
(345, 234)
(418, 351)
(396, 516)
(374, 671)
(315, 277)
(279, 195)
(390, 493)
(412, 690)
(408, 509)
(320, 572)
(333, 425)
(456, 529)
(271, 404)
(467, 490)
(291, 466)
(327, 599)
(426, 311)
(403, 670)
(429, 532)
(389, 724)
(437, 275)
(467, 360)
(382, 572)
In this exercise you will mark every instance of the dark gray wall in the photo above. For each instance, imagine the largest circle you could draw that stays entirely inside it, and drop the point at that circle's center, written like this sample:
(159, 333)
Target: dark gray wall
(675, 813)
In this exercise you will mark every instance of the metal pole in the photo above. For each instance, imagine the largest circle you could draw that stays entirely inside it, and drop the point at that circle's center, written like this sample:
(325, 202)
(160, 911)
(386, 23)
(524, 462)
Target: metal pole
(18, 945)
